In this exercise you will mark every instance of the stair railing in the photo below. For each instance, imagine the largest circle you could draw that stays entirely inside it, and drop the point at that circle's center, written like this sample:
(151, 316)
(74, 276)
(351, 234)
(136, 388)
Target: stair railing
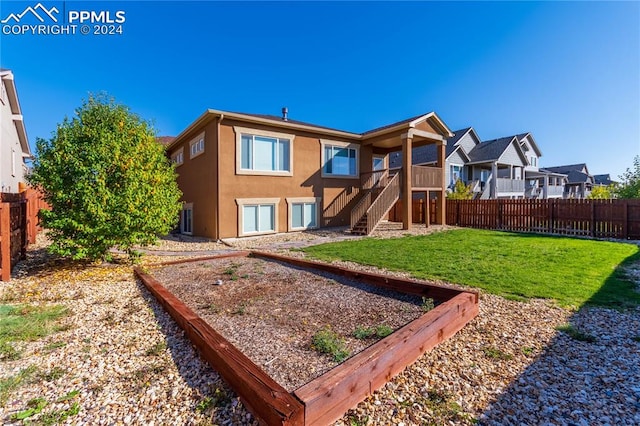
(383, 203)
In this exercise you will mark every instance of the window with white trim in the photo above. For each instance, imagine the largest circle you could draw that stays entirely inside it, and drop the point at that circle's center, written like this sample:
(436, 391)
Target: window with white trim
(339, 159)
(303, 213)
(456, 171)
(186, 219)
(262, 152)
(196, 146)
(257, 215)
(178, 157)
(258, 218)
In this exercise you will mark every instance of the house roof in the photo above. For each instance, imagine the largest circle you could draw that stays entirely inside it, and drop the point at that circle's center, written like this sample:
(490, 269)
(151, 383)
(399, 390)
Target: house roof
(532, 142)
(568, 168)
(603, 179)
(429, 153)
(573, 176)
(165, 140)
(7, 77)
(492, 150)
(273, 120)
(288, 120)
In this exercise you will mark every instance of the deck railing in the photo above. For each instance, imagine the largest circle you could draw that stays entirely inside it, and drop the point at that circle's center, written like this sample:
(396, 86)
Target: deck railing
(426, 177)
(510, 185)
(555, 190)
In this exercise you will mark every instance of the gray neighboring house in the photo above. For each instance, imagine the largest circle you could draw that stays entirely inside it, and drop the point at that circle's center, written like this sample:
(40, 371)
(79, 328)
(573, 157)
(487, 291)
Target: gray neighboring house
(579, 181)
(501, 168)
(603, 180)
(14, 145)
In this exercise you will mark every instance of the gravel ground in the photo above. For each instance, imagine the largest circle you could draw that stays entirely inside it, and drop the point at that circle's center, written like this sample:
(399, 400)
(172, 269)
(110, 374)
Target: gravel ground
(132, 365)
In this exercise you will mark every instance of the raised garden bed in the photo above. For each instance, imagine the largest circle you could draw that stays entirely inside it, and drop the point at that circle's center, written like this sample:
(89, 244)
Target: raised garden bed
(256, 328)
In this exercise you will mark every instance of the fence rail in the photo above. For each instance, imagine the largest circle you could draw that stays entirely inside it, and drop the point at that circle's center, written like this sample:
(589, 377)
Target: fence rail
(18, 227)
(592, 218)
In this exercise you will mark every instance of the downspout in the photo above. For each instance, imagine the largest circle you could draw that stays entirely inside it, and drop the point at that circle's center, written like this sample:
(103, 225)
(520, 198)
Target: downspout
(220, 118)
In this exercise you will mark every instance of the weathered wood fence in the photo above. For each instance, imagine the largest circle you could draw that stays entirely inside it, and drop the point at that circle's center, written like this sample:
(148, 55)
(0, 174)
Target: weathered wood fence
(18, 227)
(591, 218)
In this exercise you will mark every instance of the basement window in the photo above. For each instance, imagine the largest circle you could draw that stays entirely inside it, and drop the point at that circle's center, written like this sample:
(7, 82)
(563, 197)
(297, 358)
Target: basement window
(186, 219)
(303, 213)
(257, 216)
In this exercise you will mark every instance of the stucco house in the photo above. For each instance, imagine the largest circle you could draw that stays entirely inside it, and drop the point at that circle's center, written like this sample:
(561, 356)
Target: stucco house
(500, 168)
(251, 174)
(14, 145)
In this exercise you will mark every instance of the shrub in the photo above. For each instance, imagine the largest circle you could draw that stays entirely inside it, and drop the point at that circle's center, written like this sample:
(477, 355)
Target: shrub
(107, 180)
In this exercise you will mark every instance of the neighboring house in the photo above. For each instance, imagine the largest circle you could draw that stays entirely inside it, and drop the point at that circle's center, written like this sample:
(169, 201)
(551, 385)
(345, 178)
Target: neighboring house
(14, 145)
(603, 180)
(500, 168)
(248, 174)
(579, 180)
(539, 183)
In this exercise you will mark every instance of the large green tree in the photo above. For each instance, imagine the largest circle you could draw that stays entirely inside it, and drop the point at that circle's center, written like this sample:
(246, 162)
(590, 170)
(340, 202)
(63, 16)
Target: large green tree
(107, 180)
(630, 181)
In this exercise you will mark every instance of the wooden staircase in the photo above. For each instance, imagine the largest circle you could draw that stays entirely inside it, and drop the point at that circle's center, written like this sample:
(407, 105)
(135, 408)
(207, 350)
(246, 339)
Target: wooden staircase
(374, 205)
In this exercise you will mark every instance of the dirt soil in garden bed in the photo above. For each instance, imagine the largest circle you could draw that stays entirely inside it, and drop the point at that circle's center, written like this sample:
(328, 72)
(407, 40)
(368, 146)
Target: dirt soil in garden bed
(271, 311)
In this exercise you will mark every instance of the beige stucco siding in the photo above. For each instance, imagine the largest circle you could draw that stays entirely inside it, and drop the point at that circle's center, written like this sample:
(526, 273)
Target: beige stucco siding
(306, 181)
(197, 179)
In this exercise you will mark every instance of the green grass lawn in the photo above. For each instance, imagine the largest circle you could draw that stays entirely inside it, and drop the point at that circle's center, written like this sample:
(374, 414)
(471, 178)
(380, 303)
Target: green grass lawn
(571, 271)
(26, 323)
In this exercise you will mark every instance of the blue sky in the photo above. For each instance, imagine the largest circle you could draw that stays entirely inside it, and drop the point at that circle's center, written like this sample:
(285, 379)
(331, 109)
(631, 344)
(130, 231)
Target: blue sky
(569, 72)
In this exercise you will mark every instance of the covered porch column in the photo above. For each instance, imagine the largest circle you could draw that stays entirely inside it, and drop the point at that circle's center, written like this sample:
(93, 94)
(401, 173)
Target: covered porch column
(494, 180)
(407, 197)
(545, 188)
(442, 199)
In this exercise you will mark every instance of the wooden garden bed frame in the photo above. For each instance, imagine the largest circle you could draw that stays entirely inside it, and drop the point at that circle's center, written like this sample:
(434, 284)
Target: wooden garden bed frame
(327, 397)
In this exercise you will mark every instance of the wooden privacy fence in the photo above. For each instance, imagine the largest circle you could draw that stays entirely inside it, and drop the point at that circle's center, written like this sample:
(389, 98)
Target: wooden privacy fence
(591, 218)
(18, 227)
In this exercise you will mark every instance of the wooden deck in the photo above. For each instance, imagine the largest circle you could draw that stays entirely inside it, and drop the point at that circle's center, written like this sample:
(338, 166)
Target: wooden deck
(326, 398)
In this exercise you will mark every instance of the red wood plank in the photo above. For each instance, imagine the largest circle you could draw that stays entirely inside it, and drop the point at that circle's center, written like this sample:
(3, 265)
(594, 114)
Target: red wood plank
(329, 396)
(439, 292)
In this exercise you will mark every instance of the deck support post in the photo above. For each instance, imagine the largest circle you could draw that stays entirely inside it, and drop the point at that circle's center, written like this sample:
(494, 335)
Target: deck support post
(494, 180)
(406, 182)
(427, 212)
(442, 201)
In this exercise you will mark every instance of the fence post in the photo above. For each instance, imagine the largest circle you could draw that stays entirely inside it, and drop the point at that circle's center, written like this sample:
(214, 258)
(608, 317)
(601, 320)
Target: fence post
(625, 220)
(550, 204)
(5, 242)
(23, 229)
(592, 223)
(498, 214)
